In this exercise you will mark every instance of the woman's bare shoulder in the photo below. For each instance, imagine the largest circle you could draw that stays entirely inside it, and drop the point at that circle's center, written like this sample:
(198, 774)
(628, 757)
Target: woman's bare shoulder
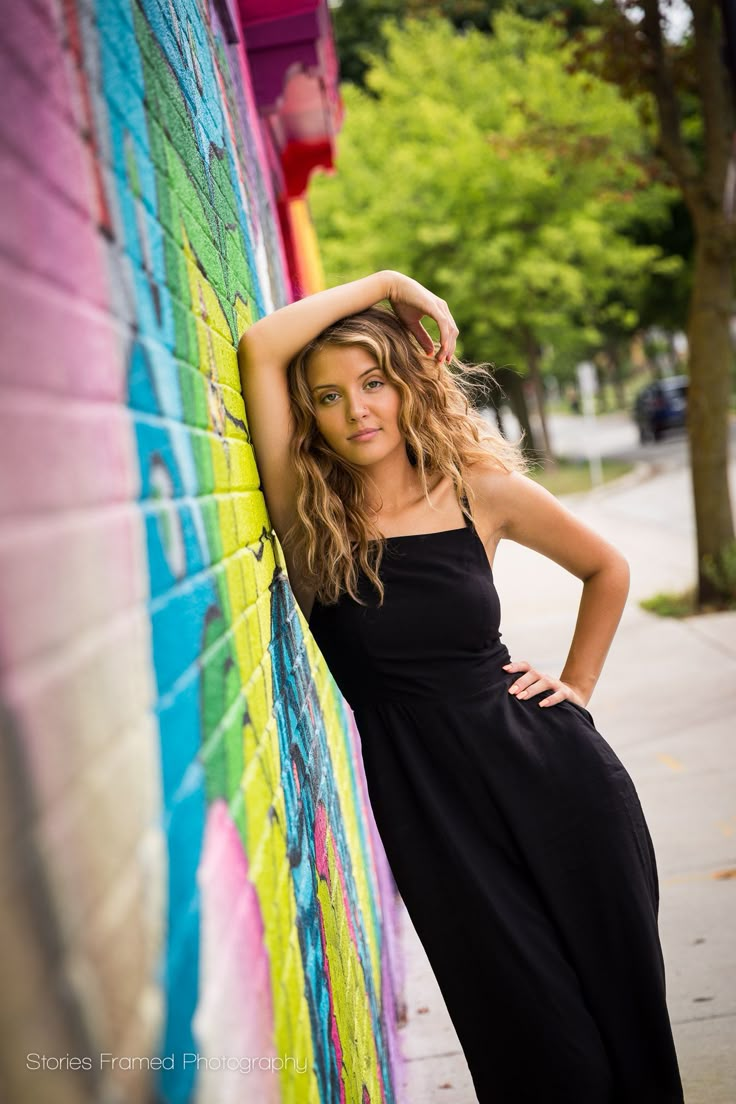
(522, 510)
(494, 489)
(488, 471)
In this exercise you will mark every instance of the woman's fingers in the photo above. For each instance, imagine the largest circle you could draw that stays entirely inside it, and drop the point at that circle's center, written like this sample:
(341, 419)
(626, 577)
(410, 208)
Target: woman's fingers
(411, 318)
(536, 685)
(412, 302)
(448, 334)
(531, 682)
(554, 699)
(524, 681)
(424, 338)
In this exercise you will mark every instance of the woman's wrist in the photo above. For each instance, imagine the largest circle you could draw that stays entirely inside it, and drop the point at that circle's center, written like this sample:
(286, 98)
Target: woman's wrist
(277, 338)
(389, 279)
(384, 282)
(582, 688)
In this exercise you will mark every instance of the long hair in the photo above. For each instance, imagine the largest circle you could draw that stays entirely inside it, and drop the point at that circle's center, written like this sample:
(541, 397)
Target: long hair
(443, 434)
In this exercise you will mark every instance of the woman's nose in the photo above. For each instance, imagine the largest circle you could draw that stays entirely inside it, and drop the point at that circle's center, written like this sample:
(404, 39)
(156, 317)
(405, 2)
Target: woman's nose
(356, 407)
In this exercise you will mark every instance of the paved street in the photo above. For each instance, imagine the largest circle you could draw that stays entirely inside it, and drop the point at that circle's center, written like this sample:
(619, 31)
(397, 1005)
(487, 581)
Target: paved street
(616, 437)
(666, 704)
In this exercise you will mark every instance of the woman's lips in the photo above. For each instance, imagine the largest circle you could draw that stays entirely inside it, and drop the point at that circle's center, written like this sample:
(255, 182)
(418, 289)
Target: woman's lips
(365, 436)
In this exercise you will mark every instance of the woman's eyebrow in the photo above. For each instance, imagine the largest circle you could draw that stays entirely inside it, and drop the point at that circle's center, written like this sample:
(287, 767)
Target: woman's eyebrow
(367, 372)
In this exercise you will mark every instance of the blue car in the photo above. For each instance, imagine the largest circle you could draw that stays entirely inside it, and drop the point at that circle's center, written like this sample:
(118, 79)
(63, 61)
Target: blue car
(661, 406)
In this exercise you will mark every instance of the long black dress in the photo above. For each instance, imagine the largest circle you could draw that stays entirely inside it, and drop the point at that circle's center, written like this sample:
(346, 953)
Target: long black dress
(515, 836)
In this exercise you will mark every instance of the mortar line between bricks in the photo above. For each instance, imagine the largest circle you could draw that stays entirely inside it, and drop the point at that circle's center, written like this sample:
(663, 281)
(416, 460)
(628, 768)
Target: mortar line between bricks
(214, 136)
(112, 745)
(49, 99)
(49, 184)
(41, 282)
(157, 420)
(191, 582)
(167, 694)
(47, 519)
(42, 13)
(125, 325)
(48, 650)
(16, 261)
(74, 402)
(18, 265)
(70, 397)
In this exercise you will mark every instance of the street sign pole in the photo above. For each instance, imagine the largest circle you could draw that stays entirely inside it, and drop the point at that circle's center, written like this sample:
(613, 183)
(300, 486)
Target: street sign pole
(588, 384)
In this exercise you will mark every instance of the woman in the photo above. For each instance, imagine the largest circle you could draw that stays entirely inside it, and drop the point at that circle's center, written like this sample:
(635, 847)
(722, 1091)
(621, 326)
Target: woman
(514, 833)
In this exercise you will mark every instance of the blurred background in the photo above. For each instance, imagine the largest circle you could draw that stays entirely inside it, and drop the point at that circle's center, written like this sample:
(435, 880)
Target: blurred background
(196, 906)
(563, 176)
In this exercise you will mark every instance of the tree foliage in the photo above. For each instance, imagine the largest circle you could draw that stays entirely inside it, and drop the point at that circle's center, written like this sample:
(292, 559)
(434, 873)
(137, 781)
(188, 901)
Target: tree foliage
(509, 170)
(688, 88)
(359, 23)
(501, 178)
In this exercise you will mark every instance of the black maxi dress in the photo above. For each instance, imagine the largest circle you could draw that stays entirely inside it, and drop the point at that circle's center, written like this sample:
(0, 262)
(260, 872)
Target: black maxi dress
(514, 834)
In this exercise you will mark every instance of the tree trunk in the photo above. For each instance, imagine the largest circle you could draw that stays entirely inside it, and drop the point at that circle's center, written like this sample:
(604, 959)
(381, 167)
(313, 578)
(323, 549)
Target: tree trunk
(544, 452)
(511, 385)
(711, 356)
(616, 375)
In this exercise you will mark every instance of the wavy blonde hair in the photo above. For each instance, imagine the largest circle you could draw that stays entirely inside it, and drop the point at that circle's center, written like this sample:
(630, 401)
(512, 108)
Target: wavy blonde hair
(443, 435)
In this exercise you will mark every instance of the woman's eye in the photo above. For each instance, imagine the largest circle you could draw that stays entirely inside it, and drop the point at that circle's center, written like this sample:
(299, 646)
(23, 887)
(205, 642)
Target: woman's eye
(327, 399)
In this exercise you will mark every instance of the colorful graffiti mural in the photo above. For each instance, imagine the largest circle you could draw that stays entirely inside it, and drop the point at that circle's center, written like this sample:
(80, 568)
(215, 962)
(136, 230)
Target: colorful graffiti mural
(196, 798)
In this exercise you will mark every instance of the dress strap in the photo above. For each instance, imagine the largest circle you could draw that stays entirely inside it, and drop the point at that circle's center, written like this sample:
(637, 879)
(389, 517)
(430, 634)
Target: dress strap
(469, 521)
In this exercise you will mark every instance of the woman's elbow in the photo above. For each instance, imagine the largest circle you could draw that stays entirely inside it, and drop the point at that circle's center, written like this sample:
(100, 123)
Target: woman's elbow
(614, 568)
(248, 354)
(619, 572)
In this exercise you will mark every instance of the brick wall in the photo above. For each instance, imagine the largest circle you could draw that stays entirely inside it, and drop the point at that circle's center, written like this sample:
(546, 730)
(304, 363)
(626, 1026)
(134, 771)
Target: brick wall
(188, 865)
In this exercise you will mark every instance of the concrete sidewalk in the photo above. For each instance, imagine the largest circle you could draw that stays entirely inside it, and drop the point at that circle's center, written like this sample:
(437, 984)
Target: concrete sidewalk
(666, 704)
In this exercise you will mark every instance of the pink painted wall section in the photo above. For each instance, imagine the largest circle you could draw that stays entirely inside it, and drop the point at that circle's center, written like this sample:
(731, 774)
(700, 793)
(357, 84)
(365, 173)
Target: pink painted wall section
(233, 961)
(198, 908)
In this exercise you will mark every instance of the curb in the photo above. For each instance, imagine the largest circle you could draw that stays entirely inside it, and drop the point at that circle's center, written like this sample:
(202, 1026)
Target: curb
(640, 473)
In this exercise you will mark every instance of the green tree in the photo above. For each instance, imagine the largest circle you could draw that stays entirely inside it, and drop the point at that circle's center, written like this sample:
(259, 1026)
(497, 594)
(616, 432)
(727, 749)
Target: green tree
(359, 24)
(656, 298)
(499, 177)
(689, 94)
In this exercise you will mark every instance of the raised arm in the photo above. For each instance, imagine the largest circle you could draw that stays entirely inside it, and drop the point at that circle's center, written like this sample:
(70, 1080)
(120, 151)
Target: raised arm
(265, 350)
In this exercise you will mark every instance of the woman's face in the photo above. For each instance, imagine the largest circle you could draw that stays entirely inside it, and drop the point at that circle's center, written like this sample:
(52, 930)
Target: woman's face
(356, 407)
